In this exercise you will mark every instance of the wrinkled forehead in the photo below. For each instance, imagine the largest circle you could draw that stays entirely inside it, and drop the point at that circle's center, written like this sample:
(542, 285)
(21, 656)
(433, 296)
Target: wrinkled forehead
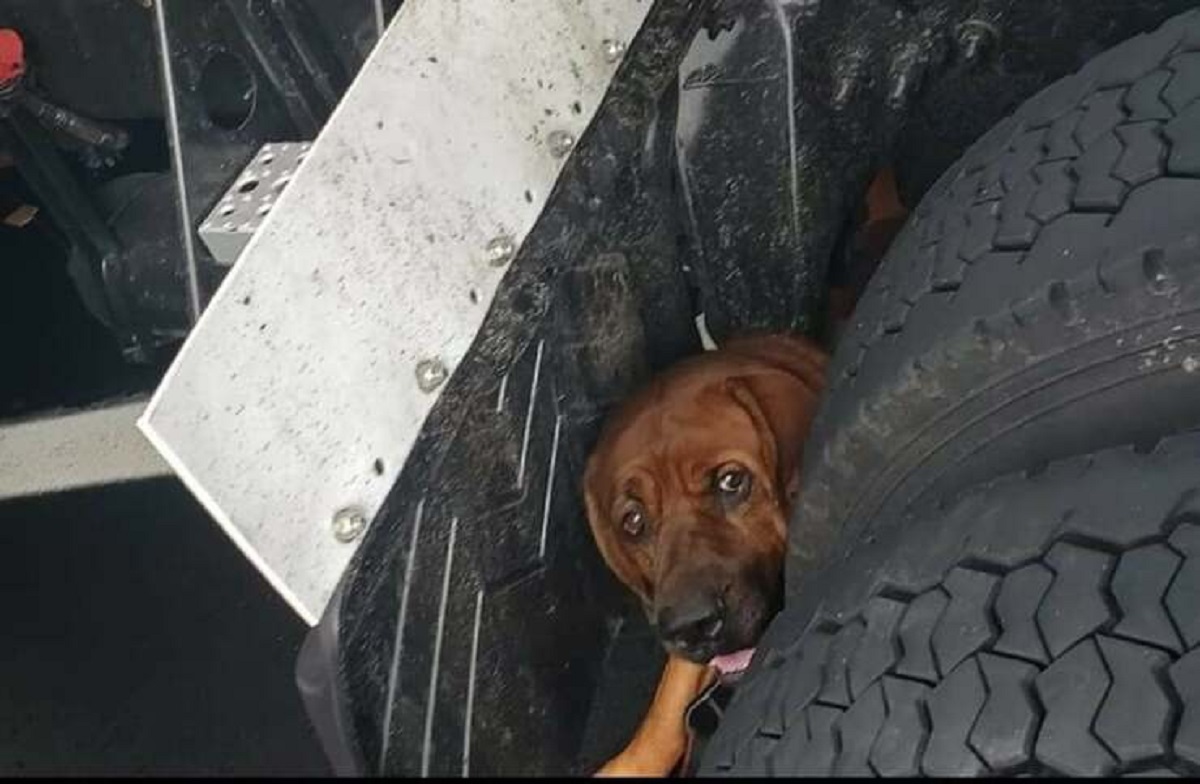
(687, 429)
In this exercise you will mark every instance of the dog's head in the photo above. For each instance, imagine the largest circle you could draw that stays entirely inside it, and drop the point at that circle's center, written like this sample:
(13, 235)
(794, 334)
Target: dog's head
(689, 487)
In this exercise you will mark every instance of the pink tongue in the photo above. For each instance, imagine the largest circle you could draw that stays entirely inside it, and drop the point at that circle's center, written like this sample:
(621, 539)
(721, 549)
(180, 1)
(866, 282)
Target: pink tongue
(729, 663)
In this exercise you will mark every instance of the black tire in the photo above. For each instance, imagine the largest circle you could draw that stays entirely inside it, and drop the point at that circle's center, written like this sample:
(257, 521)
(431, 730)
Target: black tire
(1045, 624)
(1043, 300)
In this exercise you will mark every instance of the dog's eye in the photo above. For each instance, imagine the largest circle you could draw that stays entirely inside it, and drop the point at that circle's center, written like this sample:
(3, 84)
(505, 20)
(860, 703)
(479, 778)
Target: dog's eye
(634, 521)
(733, 481)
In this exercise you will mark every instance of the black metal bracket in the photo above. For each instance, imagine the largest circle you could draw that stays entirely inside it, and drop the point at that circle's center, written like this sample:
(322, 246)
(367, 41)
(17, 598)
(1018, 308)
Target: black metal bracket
(94, 263)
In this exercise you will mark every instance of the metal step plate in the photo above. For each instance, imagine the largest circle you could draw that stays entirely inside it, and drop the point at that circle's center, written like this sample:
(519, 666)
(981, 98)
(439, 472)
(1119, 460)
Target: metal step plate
(295, 402)
(241, 210)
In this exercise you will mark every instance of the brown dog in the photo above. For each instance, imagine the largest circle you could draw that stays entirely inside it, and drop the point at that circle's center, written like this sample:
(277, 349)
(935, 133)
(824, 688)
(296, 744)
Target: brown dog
(688, 493)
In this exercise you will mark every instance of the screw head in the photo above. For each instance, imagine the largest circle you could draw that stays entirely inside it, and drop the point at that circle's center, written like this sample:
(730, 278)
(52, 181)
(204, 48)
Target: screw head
(560, 143)
(500, 250)
(613, 50)
(431, 374)
(348, 524)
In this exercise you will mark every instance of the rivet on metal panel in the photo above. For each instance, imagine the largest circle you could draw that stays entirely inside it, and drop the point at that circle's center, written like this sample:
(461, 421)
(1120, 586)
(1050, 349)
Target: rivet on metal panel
(348, 524)
(431, 374)
(560, 143)
(500, 250)
(613, 50)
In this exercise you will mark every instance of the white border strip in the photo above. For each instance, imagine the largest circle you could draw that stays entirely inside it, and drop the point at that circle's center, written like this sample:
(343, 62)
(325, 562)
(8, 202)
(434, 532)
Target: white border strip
(431, 702)
(410, 570)
(68, 451)
(471, 677)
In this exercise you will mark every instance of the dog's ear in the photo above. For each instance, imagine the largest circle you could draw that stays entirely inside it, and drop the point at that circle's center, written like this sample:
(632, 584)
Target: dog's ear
(781, 405)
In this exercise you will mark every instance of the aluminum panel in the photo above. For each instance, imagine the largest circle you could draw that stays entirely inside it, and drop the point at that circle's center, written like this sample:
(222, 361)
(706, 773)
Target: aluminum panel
(306, 381)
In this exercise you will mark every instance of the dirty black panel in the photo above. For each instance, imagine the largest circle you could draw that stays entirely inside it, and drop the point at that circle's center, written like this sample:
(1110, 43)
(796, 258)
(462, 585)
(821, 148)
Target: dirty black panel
(527, 681)
(614, 365)
(872, 83)
(138, 640)
(735, 154)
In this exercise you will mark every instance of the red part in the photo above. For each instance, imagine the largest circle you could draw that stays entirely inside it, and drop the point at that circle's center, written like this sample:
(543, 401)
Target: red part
(12, 56)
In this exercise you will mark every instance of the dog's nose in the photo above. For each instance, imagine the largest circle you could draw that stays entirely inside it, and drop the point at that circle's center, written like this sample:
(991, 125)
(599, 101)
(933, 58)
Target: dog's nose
(691, 623)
